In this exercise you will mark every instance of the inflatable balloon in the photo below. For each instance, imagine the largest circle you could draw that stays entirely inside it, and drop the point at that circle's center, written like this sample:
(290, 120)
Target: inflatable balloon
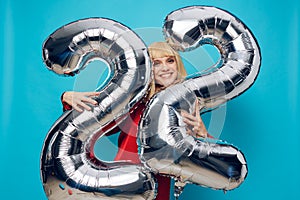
(165, 147)
(69, 168)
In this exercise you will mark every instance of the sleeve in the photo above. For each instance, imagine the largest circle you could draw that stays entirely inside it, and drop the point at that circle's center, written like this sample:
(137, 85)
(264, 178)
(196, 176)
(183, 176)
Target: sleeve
(66, 106)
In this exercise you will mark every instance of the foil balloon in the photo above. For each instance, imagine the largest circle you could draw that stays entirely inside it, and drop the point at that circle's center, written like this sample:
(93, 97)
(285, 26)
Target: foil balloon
(69, 168)
(165, 147)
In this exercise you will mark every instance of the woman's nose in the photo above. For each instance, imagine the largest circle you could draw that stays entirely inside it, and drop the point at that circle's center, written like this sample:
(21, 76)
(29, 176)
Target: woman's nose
(164, 67)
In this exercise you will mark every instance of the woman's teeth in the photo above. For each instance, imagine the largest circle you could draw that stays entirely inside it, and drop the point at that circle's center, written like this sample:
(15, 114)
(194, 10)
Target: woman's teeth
(166, 75)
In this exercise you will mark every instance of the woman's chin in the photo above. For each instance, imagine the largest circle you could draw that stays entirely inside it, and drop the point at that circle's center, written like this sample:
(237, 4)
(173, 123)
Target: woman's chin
(166, 83)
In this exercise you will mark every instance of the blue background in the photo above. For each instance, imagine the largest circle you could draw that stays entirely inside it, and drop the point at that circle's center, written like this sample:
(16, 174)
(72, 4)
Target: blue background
(263, 122)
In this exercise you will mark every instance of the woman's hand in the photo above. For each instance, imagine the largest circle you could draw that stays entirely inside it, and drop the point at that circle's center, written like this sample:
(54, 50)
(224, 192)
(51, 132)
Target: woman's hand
(80, 100)
(195, 125)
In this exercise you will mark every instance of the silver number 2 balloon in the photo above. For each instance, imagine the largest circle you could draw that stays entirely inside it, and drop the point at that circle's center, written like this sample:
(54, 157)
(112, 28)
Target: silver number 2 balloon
(165, 146)
(69, 168)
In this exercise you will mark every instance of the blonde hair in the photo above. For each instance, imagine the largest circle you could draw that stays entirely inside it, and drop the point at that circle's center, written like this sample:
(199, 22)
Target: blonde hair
(163, 49)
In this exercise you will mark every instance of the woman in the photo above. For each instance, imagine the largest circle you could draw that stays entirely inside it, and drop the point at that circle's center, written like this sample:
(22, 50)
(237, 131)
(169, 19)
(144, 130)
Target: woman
(168, 69)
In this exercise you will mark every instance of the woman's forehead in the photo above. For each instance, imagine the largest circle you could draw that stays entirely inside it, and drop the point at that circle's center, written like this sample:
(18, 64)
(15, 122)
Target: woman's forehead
(164, 57)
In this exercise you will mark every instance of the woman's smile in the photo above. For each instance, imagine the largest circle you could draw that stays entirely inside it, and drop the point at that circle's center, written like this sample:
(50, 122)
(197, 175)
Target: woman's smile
(166, 75)
(165, 70)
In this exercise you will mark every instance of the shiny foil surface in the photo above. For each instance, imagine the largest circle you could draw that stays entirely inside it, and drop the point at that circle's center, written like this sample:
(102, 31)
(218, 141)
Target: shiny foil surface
(165, 147)
(69, 168)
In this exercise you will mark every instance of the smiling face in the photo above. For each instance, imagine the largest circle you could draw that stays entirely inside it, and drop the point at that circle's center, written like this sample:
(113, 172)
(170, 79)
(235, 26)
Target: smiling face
(167, 66)
(165, 70)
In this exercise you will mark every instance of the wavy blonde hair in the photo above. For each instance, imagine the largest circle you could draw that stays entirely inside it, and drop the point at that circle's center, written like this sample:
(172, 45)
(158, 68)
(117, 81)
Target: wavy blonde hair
(163, 49)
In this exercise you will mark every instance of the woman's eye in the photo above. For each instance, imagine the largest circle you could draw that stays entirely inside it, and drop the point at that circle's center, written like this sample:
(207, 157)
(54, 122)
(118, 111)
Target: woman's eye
(171, 60)
(155, 63)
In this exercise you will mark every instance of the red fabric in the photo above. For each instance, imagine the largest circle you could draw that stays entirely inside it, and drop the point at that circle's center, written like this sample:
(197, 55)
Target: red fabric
(128, 149)
(163, 190)
(66, 106)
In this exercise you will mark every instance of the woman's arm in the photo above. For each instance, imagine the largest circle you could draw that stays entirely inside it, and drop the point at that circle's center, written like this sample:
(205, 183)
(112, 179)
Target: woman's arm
(78, 100)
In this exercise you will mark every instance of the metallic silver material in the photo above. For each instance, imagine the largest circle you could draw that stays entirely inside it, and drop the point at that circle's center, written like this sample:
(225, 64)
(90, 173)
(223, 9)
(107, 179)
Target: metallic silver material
(165, 147)
(69, 168)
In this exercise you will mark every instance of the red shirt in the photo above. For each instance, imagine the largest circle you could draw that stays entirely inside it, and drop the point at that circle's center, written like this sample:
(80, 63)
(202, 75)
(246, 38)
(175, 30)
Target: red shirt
(128, 149)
